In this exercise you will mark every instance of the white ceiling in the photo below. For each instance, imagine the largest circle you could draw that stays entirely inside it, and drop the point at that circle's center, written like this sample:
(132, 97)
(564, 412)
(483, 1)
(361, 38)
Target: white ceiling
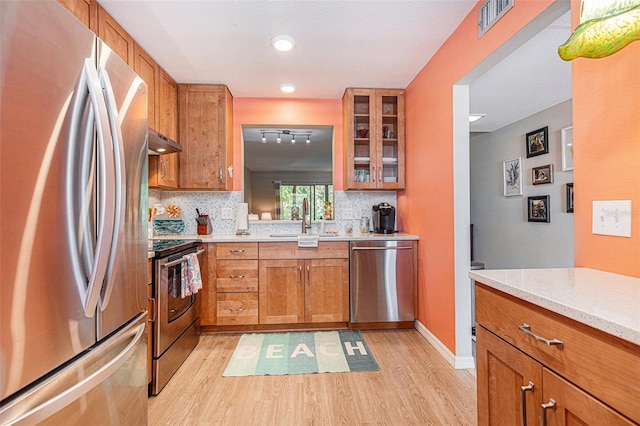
(531, 79)
(369, 43)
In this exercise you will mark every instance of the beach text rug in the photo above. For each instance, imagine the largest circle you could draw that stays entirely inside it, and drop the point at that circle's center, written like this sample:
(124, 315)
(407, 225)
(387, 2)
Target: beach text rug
(300, 353)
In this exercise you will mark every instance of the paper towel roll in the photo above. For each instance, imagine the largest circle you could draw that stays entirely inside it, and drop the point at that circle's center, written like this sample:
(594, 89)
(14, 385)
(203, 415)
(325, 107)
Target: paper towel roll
(242, 218)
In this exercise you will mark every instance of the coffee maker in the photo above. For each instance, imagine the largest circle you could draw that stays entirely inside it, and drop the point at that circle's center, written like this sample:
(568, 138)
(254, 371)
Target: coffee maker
(384, 218)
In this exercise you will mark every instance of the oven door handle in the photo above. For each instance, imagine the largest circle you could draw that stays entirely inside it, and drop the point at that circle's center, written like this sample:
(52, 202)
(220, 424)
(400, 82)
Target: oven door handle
(178, 261)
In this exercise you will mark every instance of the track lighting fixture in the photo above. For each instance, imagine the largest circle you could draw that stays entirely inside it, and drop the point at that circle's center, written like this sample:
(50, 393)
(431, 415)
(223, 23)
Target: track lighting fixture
(279, 133)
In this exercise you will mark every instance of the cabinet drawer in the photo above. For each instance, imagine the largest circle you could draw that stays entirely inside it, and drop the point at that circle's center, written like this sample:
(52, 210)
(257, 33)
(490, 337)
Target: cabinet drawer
(290, 250)
(603, 365)
(237, 276)
(237, 308)
(237, 251)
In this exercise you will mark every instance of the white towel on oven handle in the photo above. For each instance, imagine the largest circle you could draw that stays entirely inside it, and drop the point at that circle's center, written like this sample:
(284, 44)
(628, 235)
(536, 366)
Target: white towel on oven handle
(191, 277)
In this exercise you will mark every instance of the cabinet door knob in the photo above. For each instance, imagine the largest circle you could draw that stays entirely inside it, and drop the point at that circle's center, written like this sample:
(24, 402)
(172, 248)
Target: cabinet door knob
(237, 309)
(236, 276)
(237, 251)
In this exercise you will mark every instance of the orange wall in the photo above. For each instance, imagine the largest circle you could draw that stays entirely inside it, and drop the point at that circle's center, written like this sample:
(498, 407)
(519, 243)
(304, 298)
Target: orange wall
(426, 205)
(288, 112)
(606, 116)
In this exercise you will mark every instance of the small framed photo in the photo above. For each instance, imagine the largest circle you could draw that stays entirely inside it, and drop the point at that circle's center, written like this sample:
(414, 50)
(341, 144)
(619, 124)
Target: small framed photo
(538, 142)
(570, 197)
(542, 174)
(538, 209)
(512, 176)
(567, 148)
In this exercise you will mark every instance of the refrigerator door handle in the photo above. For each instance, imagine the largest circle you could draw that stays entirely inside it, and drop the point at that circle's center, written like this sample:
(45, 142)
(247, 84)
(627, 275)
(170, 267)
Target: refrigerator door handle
(119, 182)
(66, 397)
(106, 195)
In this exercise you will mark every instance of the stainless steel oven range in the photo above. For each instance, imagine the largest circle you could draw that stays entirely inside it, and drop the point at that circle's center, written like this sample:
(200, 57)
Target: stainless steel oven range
(175, 320)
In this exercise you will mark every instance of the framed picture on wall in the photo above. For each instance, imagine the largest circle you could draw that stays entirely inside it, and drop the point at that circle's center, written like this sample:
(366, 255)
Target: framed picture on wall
(512, 177)
(569, 196)
(542, 174)
(537, 142)
(567, 148)
(538, 209)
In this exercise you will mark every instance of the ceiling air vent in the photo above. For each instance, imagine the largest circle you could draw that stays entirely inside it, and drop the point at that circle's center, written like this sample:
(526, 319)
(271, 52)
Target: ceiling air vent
(490, 12)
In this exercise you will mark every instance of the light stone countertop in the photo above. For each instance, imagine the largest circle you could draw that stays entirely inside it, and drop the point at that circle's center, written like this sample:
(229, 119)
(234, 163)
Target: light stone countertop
(263, 238)
(602, 300)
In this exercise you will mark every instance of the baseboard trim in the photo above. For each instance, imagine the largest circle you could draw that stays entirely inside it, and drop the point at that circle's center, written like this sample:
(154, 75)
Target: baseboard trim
(459, 363)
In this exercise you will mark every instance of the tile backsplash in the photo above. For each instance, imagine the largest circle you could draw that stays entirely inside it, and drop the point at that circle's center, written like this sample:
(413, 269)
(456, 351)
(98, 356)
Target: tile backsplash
(354, 203)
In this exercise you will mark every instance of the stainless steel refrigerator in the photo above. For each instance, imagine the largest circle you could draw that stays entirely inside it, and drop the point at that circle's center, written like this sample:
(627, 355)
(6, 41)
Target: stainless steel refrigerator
(73, 242)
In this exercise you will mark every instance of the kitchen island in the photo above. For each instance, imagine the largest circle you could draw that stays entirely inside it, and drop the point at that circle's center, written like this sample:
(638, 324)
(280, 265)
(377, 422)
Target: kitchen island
(557, 344)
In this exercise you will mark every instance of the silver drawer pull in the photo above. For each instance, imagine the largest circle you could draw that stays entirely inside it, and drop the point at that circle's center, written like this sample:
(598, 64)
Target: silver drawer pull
(236, 276)
(526, 329)
(543, 409)
(237, 309)
(237, 251)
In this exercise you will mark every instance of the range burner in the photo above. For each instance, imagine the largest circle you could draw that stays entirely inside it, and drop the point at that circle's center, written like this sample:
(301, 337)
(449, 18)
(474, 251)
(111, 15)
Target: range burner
(163, 248)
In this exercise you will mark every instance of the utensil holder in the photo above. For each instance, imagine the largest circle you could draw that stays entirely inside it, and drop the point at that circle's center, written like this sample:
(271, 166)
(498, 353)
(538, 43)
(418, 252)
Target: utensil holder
(204, 225)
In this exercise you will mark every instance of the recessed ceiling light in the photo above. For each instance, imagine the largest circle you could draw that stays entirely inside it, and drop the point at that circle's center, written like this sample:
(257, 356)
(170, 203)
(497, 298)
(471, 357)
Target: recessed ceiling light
(283, 43)
(475, 117)
(288, 87)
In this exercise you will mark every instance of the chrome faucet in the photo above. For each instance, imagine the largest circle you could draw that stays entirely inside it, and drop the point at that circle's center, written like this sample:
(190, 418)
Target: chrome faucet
(306, 222)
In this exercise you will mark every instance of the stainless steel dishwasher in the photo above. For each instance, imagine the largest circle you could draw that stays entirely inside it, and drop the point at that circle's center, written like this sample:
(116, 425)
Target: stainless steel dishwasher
(381, 284)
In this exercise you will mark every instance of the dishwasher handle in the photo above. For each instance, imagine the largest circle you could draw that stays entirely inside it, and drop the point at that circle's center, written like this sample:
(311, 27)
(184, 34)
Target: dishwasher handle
(381, 248)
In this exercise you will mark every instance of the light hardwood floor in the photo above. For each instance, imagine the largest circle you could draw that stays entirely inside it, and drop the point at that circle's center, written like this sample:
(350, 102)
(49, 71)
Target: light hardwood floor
(415, 386)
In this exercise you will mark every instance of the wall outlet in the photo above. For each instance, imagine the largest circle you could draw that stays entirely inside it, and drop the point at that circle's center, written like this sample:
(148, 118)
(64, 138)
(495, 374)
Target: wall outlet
(347, 214)
(612, 218)
(226, 213)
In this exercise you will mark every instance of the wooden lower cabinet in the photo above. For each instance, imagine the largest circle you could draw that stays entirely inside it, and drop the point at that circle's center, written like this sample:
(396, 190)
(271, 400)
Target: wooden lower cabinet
(310, 291)
(237, 308)
(237, 283)
(208, 294)
(569, 405)
(326, 290)
(281, 290)
(592, 379)
(504, 375)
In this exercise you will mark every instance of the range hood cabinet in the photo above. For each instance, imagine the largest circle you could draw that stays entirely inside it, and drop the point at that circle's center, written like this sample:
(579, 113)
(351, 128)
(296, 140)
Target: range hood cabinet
(160, 144)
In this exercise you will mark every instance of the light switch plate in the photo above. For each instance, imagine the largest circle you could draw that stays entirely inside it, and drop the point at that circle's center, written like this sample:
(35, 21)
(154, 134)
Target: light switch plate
(226, 213)
(347, 214)
(612, 218)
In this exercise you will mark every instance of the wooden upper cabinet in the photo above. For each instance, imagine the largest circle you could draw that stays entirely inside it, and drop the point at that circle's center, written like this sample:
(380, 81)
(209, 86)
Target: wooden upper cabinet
(84, 10)
(374, 138)
(163, 117)
(206, 136)
(167, 124)
(115, 36)
(167, 113)
(149, 71)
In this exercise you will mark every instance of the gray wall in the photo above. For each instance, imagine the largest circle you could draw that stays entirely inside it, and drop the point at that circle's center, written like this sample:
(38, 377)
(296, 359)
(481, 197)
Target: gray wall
(503, 238)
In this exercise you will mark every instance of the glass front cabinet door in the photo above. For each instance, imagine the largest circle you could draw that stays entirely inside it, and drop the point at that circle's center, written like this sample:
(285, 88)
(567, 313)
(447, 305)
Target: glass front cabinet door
(374, 138)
